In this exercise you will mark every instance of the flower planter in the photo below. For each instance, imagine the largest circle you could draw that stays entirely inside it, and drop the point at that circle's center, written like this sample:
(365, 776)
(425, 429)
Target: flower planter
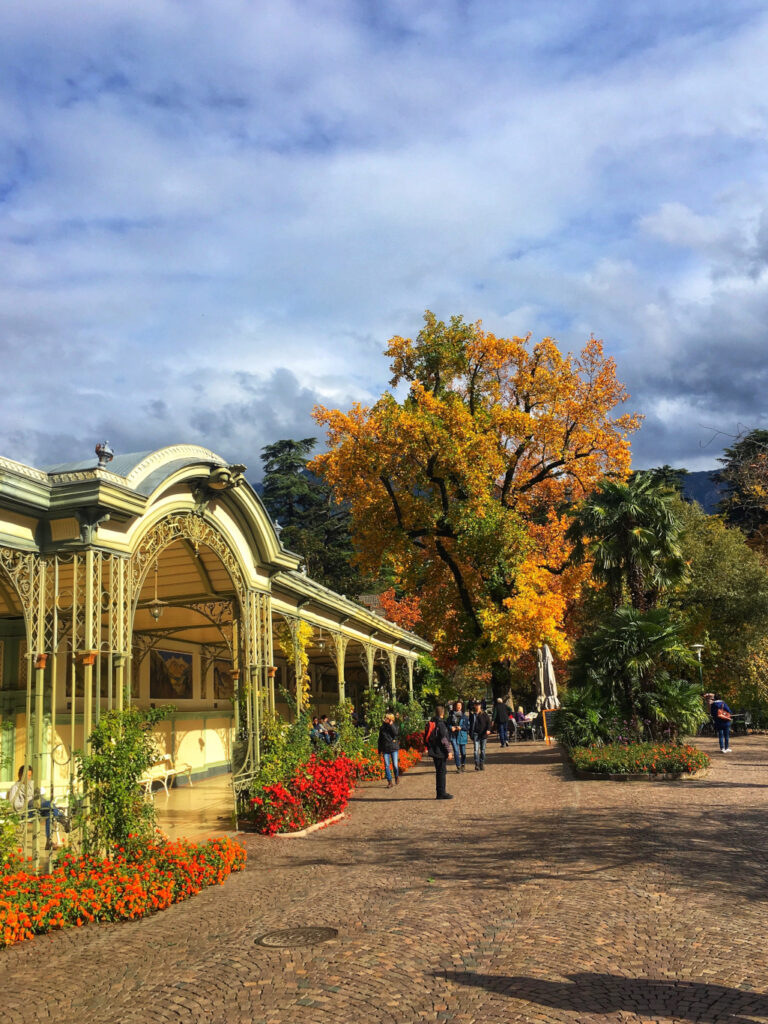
(638, 762)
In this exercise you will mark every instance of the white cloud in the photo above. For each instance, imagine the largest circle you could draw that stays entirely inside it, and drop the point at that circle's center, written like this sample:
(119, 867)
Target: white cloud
(189, 192)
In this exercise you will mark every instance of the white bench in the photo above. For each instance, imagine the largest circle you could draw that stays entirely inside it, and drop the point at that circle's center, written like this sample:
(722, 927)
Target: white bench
(164, 771)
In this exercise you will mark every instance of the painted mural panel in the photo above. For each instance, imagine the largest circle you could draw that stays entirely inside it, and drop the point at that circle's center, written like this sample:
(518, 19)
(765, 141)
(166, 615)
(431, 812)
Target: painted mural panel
(170, 675)
(223, 681)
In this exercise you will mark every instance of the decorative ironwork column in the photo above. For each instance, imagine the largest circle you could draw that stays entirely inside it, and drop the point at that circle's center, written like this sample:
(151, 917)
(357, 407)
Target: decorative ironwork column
(409, 662)
(392, 655)
(27, 577)
(369, 652)
(339, 654)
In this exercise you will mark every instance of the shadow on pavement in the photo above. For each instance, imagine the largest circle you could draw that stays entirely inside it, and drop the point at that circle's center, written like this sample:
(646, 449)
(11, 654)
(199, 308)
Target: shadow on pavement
(608, 993)
(691, 845)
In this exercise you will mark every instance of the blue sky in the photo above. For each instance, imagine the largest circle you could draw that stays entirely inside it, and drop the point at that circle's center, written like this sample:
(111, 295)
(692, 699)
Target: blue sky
(214, 215)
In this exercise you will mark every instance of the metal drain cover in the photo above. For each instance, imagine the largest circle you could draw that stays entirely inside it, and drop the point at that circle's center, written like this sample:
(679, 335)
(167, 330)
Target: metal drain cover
(293, 938)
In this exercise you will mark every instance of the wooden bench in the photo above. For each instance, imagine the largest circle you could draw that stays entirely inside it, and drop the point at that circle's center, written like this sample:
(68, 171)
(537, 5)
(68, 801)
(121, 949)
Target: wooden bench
(164, 771)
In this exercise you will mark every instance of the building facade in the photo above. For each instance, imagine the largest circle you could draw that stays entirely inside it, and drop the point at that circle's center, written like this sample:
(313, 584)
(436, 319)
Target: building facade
(159, 578)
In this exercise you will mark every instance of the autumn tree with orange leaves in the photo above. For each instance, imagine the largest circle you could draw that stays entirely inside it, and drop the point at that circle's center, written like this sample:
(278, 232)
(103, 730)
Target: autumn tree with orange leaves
(460, 489)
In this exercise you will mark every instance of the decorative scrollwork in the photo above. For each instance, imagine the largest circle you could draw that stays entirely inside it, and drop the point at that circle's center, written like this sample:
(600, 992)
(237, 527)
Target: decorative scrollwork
(22, 569)
(184, 526)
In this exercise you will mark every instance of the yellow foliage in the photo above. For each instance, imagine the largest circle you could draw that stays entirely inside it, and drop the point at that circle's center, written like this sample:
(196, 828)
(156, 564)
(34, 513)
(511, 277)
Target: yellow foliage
(460, 488)
(293, 640)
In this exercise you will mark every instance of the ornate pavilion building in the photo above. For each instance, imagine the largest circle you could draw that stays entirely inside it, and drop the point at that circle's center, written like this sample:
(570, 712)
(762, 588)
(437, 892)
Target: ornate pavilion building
(159, 578)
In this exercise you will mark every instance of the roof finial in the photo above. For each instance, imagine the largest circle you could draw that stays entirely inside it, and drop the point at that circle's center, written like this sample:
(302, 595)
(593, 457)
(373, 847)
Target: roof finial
(104, 453)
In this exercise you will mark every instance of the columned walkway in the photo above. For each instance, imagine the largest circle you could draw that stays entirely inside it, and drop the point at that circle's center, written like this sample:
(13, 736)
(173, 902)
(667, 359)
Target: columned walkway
(196, 812)
(529, 897)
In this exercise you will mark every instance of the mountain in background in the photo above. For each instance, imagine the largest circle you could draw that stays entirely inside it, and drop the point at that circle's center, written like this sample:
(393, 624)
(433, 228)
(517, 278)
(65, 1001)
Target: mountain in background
(702, 487)
(697, 486)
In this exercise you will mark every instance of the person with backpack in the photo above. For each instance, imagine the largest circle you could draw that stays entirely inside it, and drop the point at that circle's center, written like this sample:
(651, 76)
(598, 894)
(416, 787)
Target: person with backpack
(458, 726)
(501, 715)
(389, 746)
(479, 727)
(721, 719)
(438, 745)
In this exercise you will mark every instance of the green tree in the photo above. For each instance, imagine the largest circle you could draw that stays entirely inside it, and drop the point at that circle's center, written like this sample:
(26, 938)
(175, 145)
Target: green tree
(724, 597)
(744, 477)
(669, 477)
(632, 663)
(630, 531)
(312, 523)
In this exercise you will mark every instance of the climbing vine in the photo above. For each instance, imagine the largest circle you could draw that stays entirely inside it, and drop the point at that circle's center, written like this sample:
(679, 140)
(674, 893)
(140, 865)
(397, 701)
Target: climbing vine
(293, 638)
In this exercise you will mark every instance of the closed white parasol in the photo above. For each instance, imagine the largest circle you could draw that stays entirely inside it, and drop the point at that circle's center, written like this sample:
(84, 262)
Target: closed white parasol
(546, 675)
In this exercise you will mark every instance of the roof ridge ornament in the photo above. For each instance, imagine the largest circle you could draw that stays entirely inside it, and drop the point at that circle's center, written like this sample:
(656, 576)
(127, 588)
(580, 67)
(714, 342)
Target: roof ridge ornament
(219, 480)
(104, 453)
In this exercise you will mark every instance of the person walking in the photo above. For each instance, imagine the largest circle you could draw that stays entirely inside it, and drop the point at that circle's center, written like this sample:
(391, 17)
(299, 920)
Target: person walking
(458, 726)
(389, 746)
(479, 727)
(439, 749)
(721, 719)
(501, 715)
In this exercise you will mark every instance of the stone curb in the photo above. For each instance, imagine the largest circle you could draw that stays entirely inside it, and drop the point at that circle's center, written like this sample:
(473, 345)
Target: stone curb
(310, 828)
(294, 835)
(637, 776)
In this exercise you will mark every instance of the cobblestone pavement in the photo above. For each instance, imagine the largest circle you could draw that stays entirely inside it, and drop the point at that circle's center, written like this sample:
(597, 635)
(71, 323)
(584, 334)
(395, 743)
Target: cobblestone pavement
(529, 897)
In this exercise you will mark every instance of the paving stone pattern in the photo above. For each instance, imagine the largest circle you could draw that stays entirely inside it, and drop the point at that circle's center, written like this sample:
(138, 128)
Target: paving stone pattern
(529, 897)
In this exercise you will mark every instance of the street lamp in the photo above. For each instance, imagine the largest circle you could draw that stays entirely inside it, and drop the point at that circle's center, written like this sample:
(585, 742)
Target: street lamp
(698, 648)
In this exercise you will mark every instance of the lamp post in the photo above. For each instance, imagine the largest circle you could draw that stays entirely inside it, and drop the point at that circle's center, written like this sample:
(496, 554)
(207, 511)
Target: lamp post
(698, 648)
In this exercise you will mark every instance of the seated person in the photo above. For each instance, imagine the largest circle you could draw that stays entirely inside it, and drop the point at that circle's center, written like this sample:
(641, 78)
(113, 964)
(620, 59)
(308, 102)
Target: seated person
(326, 729)
(21, 796)
(314, 732)
(520, 715)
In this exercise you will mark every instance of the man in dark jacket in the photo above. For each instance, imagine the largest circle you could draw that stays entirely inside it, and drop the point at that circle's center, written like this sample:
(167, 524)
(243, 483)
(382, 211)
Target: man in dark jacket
(501, 715)
(479, 727)
(439, 749)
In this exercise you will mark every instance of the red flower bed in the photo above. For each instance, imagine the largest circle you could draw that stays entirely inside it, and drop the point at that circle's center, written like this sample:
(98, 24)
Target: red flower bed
(413, 741)
(122, 887)
(316, 790)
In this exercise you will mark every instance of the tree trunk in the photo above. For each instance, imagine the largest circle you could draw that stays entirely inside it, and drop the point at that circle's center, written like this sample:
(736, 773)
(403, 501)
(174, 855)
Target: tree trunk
(500, 680)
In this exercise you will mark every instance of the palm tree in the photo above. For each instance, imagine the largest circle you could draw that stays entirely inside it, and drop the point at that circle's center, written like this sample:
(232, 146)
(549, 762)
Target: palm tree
(627, 650)
(630, 531)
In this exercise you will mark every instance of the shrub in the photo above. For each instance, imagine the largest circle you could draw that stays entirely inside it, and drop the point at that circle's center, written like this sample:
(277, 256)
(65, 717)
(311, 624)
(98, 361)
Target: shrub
(635, 758)
(350, 738)
(411, 717)
(284, 746)
(587, 716)
(122, 749)
(9, 832)
(129, 884)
